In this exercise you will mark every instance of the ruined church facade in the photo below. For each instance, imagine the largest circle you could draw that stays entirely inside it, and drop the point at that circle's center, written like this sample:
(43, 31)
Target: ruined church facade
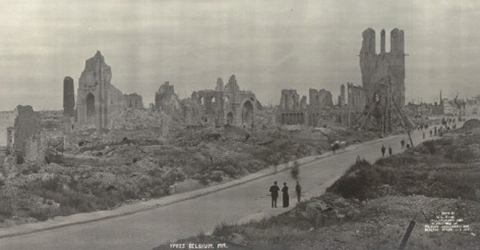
(226, 105)
(97, 98)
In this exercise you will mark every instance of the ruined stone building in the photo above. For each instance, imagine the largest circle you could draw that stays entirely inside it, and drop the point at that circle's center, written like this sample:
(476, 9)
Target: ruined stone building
(27, 129)
(383, 74)
(356, 98)
(7, 121)
(341, 98)
(296, 111)
(133, 101)
(438, 107)
(293, 111)
(212, 107)
(20, 132)
(320, 107)
(320, 111)
(166, 100)
(68, 97)
(227, 105)
(98, 100)
(69, 112)
(383, 79)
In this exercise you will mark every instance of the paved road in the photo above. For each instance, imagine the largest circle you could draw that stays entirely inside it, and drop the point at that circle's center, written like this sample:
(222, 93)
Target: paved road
(245, 202)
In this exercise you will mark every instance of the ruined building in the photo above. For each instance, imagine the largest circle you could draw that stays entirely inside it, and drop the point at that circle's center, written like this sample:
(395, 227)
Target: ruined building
(98, 101)
(383, 79)
(133, 101)
(69, 113)
(292, 110)
(341, 98)
(7, 121)
(296, 111)
(224, 105)
(20, 133)
(383, 74)
(166, 100)
(320, 111)
(68, 97)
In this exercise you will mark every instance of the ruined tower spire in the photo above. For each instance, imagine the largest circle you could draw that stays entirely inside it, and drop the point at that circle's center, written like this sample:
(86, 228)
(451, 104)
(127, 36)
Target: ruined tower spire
(68, 97)
(382, 42)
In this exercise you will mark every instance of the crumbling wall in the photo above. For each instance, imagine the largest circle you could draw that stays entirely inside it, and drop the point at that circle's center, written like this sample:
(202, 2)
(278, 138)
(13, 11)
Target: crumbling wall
(223, 105)
(133, 101)
(7, 120)
(383, 69)
(166, 99)
(27, 125)
(303, 103)
(211, 102)
(320, 99)
(356, 98)
(35, 148)
(292, 110)
(68, 97)
(191, 111)
(289, 100)
(97, 98)
(341, 97)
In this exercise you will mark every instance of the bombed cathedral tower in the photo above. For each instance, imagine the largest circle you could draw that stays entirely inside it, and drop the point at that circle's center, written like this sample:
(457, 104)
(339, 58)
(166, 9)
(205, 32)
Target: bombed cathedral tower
(383, 79)
(385, 71)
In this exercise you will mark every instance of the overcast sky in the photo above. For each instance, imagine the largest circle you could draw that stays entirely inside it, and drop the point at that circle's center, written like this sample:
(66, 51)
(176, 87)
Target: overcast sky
(268, 44)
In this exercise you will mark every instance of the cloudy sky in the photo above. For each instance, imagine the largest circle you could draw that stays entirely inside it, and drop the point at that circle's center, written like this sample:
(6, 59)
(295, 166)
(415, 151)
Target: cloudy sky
(268, 44)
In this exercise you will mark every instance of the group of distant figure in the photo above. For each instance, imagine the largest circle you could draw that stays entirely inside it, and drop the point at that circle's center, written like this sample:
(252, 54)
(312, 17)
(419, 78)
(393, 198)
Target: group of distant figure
(274, 190)
(383, 150)
(447, 124)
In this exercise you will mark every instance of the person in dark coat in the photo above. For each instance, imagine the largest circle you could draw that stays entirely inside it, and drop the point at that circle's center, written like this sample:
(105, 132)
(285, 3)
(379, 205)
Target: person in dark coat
(402, 142)
(286, 199)
(274, 193)
(298, 190)
(383, 150)
(390, 150)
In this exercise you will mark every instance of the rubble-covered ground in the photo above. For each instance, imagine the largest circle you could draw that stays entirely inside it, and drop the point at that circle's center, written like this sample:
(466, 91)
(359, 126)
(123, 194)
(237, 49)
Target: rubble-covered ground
(372, 205)
(144, 155)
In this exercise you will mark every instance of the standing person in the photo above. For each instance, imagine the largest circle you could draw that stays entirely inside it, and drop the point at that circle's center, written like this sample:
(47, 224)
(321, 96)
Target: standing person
(430, 133)
(286, 199)
(298, 190)
(274, 193)
(389, 150)
(383, 150)
(402, 143)
(408, 145)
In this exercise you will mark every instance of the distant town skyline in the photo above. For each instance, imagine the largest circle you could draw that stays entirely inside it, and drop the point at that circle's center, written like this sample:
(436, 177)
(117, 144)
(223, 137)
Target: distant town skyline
(269, 45)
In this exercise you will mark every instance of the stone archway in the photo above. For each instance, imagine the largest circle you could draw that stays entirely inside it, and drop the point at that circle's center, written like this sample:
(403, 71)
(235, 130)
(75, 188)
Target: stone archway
(247, 113)
(90, 102)
(230, 118)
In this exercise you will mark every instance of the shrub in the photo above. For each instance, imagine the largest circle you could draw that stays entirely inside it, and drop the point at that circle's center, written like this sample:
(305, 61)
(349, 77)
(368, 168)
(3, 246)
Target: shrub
(464, 156)
(6, 209)
(430, 145)
(356, 182)
(224, 229)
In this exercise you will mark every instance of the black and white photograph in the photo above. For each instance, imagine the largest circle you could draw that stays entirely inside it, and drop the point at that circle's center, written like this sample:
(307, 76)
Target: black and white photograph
(240, 124)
